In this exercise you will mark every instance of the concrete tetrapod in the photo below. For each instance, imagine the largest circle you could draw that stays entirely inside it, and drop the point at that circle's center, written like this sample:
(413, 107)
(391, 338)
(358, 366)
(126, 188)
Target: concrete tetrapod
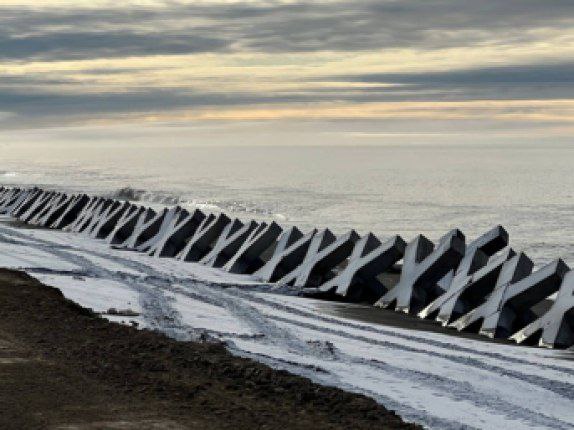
(289, 252)
(171, 241)
(554, 329)
(325, 252)
(206, 234)
(423, 267)
(159, 229)
(467, 292)
(248, 258)
(27, 200)
(13, 200)
(126, 224)
(5, 192)
(229, 242)
(39, 204)
(39, 215)
(3, 196)
(478, 256)
(146, 227)
(56, 209)
(109, 219)
(7, 196)
(24, 200)
(5, 200)
(84, 215)
(70, 212)
(93, 216)
(99, 215)
(508, 308)
(358, 281)
(21, 198)
(52, 197)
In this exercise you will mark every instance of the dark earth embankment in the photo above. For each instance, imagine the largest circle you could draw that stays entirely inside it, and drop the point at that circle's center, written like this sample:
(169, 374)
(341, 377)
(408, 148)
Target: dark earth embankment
(63, 367)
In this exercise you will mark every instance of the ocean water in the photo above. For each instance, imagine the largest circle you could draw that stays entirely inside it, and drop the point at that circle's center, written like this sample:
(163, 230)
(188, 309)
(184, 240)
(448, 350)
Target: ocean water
(403, 189)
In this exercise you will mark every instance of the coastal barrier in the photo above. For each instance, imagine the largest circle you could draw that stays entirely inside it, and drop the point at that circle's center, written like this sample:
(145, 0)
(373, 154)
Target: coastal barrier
(483, 286)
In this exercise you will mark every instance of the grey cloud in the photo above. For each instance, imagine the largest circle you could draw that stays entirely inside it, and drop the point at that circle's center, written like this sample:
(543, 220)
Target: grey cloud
(51, 35)
(37, 96)
(78, 45)
(526, 81)
(33, 101)
(301, 27)
(560, 73)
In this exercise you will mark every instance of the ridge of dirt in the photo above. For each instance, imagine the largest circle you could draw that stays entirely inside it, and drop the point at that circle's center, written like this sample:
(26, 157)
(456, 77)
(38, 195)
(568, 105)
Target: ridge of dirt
(62, 366)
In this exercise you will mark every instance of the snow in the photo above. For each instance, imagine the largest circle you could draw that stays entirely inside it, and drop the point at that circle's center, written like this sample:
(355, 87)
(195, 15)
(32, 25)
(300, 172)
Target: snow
(440, 381)
(201, 315)
(15, 256)
(97, 294)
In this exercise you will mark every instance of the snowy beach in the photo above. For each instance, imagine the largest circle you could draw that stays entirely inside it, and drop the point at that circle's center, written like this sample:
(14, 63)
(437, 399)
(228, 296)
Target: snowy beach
(434, 379)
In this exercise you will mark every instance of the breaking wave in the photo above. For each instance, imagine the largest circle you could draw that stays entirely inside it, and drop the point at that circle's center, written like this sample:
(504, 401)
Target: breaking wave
(208, 205)
(236, 206)
(138, 195)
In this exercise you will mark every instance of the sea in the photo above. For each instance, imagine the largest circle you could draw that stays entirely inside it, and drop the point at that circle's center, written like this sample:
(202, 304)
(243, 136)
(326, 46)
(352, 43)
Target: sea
(403, 188)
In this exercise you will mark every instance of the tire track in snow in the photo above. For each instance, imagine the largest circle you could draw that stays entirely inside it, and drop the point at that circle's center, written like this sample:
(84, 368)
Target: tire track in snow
(417, 339)
(238, 303)
(456, 390)
(158, 313)
(159, 275)
(563, 389)
(407, 412)
(272, 332)
(155, 277)
(285, 338)
(463, 391)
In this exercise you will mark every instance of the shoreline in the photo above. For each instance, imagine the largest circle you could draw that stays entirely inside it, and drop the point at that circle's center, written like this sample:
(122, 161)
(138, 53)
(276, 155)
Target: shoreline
(403, 369)
(365, 313)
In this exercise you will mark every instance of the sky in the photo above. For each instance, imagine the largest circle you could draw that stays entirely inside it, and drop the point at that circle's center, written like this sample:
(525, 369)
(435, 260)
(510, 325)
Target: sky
(463, 69)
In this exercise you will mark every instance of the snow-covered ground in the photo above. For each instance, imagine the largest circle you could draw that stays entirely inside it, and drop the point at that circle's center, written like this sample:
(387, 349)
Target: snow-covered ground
(441, 381)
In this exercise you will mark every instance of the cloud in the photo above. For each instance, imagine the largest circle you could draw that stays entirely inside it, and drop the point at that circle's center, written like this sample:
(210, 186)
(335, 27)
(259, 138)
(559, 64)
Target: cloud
(56, 34)
(510, 82)
(46, 98)
(80, 45)
(252, 53)
(33, 103)
(558, 73)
